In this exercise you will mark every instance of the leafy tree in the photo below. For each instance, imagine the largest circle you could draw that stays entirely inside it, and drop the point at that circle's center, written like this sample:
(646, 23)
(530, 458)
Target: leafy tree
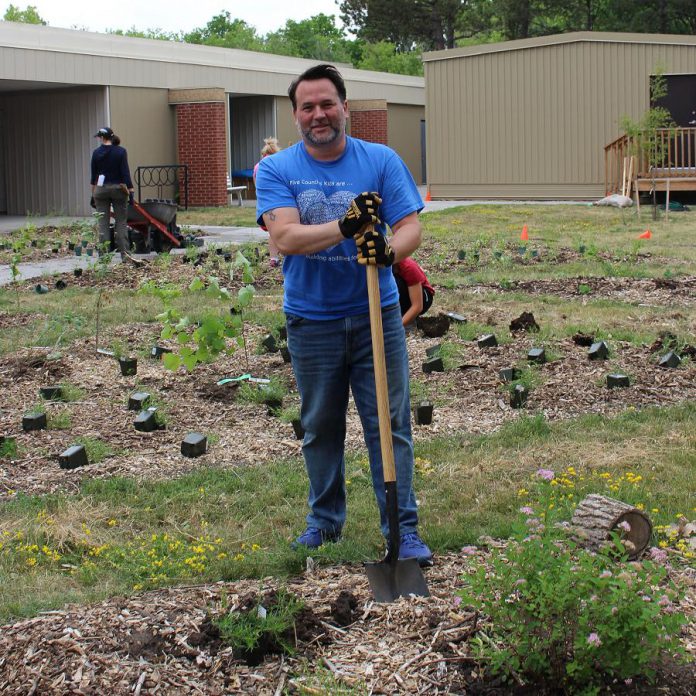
(226, 32)
(28, 16)
(148, 34)
(384, 57)
(316, 37)
(406, 23)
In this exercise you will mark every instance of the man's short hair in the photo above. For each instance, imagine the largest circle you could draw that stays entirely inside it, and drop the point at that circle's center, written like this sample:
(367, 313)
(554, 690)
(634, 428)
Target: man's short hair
(319, 72)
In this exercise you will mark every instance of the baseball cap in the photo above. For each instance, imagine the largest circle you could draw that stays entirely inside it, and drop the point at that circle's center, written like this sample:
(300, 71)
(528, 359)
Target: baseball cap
(104, 132)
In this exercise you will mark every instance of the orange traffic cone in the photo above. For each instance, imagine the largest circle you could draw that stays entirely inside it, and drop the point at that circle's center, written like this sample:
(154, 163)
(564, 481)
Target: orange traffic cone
(646, 235)
(428, 197)
(525, 235)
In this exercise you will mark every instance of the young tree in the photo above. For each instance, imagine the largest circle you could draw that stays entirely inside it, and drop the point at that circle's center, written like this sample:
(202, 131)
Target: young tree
(28, 16)
(317, 37)
(226, 32)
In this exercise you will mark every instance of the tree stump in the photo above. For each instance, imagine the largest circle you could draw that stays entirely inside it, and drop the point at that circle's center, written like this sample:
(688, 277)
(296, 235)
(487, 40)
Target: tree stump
(596, 517)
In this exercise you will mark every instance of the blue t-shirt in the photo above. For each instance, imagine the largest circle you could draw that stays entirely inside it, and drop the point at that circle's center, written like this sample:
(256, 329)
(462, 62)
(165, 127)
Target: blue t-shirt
(330, 284)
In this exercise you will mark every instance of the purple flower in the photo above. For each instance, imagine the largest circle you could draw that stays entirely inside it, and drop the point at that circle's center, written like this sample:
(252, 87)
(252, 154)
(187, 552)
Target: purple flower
(664, 601)
(526, 510)
(546, 474)
(605, 574)
(469, 550)
(519, 582)
(594, 639)
(658, 555)
(457, 601)
(625, 526)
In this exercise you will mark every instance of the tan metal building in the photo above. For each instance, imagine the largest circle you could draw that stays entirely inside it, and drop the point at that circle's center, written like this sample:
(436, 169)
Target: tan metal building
(529, 119)
(58, 86)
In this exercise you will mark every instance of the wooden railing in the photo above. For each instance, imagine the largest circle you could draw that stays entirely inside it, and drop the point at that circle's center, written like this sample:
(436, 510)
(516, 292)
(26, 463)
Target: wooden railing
(672, 151)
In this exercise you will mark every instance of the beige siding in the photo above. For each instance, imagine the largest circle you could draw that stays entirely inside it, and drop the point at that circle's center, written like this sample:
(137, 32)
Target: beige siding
(533, 122)
(146, 125)
(285, 124)
(38, 53)
(49, 139)
(404, 134)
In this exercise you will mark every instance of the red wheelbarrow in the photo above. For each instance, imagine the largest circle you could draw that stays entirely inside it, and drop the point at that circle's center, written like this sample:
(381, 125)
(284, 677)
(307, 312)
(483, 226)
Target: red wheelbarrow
(152, 226)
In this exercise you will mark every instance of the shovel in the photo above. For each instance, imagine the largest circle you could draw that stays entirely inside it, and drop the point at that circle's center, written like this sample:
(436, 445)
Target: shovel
(391, 578)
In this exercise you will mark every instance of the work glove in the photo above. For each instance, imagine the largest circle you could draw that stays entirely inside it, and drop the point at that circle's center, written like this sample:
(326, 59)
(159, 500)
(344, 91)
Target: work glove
(131, 197)
(92, 204)
(374, 249)
(361, 212)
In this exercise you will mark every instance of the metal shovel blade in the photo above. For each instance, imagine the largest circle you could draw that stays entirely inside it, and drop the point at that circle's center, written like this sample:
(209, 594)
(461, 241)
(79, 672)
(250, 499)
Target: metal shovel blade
(390, 580)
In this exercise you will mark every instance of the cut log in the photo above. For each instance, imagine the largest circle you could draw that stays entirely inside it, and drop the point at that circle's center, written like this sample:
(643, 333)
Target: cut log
(597, 517)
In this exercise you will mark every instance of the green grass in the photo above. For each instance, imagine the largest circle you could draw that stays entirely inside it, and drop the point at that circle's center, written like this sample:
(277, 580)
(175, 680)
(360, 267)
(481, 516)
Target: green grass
(236, 523)
(231, 216)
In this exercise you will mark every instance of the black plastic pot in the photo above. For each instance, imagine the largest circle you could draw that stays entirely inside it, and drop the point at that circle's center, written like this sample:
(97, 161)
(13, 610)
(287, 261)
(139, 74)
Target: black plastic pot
(617, 381)
(433, 351)
(285, 353)
(54, 392)
(137, 401)
(297, 427)
(509, 374)
(537, 355)
(598, 351)
(519, 396)
(73, 457)
(423, 413)
(194, 445)
(487, 341)
(270, 344)
(129, 366)
(34, 421)
(670, 359)
(61, 284)
(158, 351)
(77, 272)
(433, 365)
(146, 421)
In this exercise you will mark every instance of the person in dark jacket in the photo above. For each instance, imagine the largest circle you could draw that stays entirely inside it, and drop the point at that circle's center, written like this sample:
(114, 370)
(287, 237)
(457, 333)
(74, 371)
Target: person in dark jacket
(111, 187)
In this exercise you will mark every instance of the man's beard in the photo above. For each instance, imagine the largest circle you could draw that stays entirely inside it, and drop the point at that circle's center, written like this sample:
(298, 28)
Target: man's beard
(323, 140)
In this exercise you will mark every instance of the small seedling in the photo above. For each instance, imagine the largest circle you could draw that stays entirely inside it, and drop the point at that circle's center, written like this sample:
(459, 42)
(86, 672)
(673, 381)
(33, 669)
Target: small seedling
(8, 447)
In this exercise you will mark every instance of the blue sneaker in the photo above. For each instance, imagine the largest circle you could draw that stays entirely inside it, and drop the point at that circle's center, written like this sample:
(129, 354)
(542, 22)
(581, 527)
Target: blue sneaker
(313, 538)
(412, 546)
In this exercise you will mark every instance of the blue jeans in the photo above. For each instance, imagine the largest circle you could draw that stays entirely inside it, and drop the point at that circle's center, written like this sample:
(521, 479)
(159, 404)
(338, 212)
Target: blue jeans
(328, 358)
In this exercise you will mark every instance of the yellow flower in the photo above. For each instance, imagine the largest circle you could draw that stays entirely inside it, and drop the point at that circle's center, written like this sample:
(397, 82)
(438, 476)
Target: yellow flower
(112, 523)
(221, 555)
(239, 557)
(31, 562)
(255, 547)
(522, 492)
(137, 586)
(655, 510)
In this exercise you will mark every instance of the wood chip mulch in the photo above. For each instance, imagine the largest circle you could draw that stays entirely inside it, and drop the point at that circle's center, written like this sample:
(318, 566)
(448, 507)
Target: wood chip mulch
(160, 642)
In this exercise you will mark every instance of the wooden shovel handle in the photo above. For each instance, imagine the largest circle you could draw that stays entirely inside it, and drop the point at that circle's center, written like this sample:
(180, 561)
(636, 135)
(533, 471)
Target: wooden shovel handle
(380, 365)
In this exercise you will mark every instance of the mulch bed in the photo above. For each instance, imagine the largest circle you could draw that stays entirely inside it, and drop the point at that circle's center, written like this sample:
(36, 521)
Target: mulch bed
(162, 642)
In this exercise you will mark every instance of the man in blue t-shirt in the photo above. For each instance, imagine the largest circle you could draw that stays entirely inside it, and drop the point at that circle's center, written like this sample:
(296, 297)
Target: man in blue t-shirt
(309, 198)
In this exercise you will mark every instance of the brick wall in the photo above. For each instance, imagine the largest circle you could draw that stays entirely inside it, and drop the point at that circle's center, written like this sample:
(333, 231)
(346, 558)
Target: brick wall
(201, 145)
(369, 125)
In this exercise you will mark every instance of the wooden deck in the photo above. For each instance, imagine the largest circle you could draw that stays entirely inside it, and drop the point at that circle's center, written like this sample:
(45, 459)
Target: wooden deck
(627, 167)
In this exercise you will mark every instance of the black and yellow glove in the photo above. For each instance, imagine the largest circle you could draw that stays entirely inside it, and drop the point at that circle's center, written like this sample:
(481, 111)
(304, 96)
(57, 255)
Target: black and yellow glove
(374, 249)
(362, 211)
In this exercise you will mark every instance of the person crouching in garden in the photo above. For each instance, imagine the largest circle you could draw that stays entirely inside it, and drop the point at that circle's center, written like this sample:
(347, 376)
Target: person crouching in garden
(415, 292)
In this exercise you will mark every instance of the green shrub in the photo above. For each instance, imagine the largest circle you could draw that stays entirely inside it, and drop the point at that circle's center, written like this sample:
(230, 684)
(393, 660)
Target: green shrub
(562, 616)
